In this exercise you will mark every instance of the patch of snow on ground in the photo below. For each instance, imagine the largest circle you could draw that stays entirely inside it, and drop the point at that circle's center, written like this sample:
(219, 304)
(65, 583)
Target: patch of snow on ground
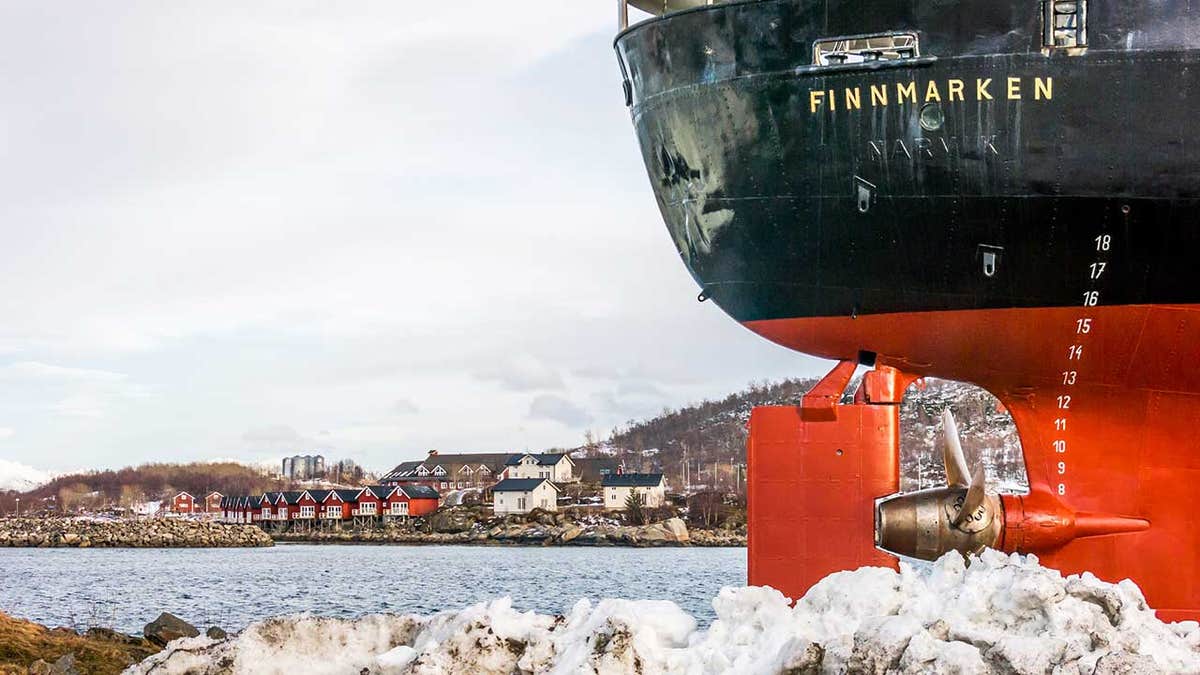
(1000, 614)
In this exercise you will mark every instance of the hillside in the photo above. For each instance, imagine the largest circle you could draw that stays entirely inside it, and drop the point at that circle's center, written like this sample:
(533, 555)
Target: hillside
(148, 482)
(708, 439)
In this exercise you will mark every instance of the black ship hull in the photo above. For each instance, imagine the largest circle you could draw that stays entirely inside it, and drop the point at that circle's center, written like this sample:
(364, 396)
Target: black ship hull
(961, 179)
(1004, 193)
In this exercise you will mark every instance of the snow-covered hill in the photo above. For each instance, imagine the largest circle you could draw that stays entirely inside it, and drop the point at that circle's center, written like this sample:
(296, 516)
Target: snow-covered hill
(715, 431)
(20, 477)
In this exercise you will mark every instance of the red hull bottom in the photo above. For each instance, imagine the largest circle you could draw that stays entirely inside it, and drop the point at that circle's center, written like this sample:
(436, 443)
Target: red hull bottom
(1106, 401)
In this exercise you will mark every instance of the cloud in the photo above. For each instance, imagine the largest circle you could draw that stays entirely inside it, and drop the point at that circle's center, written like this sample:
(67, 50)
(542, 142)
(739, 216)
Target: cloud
(277, 434)
(68, 391)
(640, 388)
(558, 409)
(328, 190)
(524, 373)
(5, 432)
(34, 371)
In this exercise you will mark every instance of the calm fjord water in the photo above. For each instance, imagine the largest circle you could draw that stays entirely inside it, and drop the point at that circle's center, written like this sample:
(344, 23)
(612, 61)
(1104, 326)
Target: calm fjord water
(126, 588)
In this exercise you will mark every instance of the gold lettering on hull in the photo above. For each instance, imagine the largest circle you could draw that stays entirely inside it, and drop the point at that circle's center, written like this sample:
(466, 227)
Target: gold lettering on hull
(953, 90)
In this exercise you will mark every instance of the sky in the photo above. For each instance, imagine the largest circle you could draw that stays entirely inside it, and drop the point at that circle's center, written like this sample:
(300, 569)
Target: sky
(248, 230)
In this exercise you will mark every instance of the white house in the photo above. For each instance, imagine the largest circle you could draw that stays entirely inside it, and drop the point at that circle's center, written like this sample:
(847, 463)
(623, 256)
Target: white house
(556, 466)
(618, 486)
(522, 495)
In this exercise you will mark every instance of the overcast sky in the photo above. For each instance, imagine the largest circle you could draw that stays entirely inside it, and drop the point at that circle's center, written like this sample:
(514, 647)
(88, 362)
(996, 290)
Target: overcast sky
(366, 228)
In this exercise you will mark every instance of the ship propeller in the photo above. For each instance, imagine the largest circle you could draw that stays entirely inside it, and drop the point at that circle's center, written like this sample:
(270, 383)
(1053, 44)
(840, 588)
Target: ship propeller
(963, 516)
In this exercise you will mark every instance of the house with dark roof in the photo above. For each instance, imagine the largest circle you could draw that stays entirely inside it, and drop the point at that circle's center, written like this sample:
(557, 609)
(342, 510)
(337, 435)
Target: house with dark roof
(522, 495)
(594, 469)
(404, 501)
(251, 509)
(449, 471)
(618, 487)
(557, 466)
(335, 505)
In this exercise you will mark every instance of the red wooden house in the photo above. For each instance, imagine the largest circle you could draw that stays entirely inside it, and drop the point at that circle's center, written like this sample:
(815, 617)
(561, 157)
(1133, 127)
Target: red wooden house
(409, 499)
(370, 501)
(251, 509)
(212, 502)
(339, 504)
(266, 507)
(293, 499)
(183, 503)
(279, 507)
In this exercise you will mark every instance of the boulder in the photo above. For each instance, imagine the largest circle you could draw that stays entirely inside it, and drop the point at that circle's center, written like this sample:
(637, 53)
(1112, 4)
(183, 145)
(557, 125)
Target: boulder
(168, 627)
(215, 633)
(63, 666)
(452, 520)
(677, 528)
(652, 534)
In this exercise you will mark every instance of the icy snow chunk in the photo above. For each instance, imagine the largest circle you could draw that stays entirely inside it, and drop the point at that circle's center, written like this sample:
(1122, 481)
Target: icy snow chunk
(995, 613)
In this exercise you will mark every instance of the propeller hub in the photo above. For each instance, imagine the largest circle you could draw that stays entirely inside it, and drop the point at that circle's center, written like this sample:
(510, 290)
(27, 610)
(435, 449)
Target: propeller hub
(922, 524)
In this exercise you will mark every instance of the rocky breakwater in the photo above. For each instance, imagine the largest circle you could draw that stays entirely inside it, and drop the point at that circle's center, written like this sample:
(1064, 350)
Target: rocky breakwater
(154, 533)
(471, 525)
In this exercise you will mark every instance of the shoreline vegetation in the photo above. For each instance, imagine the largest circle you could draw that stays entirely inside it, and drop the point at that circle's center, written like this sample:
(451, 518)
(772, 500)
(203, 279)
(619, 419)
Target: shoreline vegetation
(31, 648)
(453, 526)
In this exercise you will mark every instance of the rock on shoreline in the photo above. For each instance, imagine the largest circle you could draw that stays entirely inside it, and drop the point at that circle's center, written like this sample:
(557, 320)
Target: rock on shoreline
(153, 533)
(548, 531)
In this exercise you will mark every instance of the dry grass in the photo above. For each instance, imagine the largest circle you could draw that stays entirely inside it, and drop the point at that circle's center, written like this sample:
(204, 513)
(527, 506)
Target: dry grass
(23, 642)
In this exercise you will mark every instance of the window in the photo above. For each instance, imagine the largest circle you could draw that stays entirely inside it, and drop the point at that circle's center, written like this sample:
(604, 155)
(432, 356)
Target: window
(520, 503)
(863, 49)
(367, 508)
(308, 511)
(399, 508)
(439, 471)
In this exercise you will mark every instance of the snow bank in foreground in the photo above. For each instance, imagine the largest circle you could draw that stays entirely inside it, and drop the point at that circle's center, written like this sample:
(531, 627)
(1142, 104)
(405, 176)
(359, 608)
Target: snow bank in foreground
(1002, 614)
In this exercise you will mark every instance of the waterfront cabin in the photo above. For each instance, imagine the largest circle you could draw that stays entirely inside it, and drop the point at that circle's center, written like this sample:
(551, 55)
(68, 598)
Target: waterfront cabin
(408, 500)
(292, 499)
(617, 488)
(279, 504)
(251, 509)
(339, 505)
(319, 497)
(522, 495)
(267, 505)
(212, 502)
(556, 466)
(183, 502)
(370, 501)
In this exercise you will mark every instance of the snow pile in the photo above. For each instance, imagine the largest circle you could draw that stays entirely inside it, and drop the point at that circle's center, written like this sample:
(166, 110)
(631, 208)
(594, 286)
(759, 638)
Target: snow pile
(1000, 614)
